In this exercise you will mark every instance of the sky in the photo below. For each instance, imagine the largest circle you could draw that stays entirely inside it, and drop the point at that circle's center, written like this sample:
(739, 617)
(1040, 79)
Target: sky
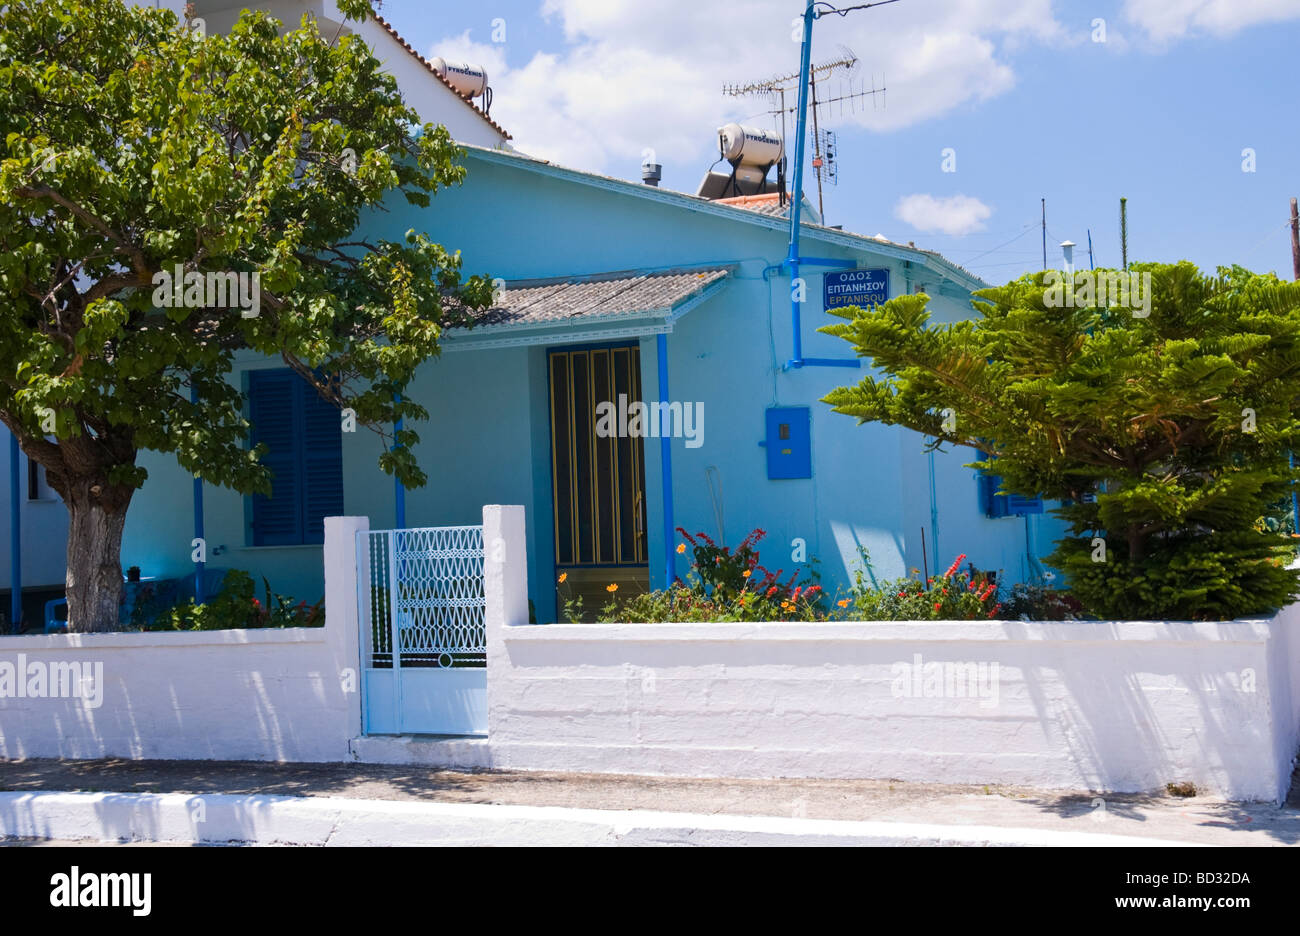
(988, 107)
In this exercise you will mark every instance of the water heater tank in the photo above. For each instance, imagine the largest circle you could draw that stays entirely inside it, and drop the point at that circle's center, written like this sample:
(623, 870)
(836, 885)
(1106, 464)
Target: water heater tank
(749, 146)
(469, 80)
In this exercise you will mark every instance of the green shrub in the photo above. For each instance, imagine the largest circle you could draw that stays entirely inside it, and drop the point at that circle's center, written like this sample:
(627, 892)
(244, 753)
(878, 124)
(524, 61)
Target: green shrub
(952, 596)
(1162, 427)
(722, 585)
(235, 605)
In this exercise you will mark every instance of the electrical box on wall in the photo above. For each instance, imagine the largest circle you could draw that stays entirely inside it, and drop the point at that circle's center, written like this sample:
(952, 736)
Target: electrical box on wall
(789, 442)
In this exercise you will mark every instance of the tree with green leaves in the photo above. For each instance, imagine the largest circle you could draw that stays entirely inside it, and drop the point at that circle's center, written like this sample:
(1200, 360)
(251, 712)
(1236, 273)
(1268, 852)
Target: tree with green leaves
(1163, 428)
(148, 171)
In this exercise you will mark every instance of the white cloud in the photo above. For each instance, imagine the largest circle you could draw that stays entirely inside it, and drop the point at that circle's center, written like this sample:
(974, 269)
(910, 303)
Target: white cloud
(1165, 20)
(636, 76)
(956, 214)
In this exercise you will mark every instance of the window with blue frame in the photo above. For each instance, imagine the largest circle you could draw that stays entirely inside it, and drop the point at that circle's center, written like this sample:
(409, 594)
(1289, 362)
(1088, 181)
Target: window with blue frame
(304, 444)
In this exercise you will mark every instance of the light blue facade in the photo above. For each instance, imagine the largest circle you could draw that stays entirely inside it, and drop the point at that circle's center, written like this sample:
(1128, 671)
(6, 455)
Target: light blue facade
(488, 441)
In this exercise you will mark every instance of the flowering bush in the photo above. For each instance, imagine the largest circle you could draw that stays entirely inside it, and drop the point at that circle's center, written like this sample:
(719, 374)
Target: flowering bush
(952, 596)
(1038, 603)
(723, 585)
(731, 585)
(235, 605)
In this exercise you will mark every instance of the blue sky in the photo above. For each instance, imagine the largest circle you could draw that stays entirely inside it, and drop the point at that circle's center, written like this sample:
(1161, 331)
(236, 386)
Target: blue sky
(1160, 112)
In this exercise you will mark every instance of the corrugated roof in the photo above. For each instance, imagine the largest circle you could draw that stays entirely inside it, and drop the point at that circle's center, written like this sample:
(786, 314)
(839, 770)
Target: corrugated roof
(565, 299)
(425, 62)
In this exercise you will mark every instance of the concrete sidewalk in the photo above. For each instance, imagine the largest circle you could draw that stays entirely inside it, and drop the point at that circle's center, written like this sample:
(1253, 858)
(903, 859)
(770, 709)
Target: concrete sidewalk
(380, 803)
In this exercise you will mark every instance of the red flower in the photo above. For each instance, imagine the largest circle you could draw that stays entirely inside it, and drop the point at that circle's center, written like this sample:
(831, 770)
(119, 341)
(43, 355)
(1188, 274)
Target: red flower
(937, 606)
(771, 591)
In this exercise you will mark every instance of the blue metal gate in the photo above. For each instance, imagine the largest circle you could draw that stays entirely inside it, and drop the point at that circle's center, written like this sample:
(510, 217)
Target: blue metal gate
(424, 652)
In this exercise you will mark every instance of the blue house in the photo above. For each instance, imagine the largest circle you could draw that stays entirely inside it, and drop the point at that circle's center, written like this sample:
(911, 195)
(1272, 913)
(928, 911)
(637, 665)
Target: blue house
(614, 294)
(619, 303)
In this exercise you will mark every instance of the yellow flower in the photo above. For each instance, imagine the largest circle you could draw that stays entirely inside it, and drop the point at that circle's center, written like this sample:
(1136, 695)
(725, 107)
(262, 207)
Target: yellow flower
(746, 573)
(611, 588)
(563, 576)
(681, 548)
(843, 602)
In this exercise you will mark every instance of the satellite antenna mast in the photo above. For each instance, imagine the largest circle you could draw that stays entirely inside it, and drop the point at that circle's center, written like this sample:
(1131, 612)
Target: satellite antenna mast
(793, 260)
(851, 91)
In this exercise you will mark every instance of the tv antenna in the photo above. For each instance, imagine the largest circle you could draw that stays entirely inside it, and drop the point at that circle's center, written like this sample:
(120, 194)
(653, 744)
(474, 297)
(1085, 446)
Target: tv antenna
(851, 93)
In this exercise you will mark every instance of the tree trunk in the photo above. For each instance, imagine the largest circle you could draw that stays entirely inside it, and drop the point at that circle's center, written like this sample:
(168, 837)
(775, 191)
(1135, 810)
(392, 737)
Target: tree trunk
(96, 516)
(1136, 544)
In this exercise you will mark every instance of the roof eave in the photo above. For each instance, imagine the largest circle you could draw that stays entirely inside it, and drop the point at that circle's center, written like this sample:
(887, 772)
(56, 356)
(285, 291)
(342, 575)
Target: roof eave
(934, 263)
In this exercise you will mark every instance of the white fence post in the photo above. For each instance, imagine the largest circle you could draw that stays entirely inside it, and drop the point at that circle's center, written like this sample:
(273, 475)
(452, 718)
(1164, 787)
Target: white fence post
(342, 620)
(505, 592)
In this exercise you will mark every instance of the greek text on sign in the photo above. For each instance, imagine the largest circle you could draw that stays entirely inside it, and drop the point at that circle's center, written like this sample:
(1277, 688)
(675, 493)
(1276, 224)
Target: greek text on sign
(855, 288)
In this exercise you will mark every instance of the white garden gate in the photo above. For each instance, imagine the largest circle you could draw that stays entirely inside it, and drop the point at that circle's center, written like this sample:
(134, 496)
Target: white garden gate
(424, 652)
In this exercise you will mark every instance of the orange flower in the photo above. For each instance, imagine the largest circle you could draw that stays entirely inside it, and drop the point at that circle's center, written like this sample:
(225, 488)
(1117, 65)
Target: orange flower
(563, 576)
(843, 602)
(681, 548)
(746, 574)
(611, 588)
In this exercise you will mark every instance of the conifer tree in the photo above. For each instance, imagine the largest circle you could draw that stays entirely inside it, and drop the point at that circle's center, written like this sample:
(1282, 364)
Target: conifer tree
(1161, 421)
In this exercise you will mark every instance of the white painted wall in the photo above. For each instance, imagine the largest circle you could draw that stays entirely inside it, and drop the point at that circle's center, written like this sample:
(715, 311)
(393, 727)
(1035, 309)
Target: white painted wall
(1118, 706)
(423, 91)
(278, 695)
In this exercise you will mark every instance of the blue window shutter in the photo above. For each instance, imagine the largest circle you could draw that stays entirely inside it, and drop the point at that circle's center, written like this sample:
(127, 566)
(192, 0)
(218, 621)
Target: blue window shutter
(274, 409)
(990, 504)
(1019, 506)
(322, 462)
(994, 506)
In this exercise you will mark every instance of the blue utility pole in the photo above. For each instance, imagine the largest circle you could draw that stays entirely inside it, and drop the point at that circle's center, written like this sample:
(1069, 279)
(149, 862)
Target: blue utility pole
(793, 260)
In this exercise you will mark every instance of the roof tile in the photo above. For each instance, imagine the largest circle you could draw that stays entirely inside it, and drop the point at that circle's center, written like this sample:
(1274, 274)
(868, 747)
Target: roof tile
(551, 301)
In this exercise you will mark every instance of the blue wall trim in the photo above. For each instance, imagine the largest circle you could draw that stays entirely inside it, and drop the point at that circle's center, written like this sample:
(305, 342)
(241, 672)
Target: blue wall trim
(666, 468)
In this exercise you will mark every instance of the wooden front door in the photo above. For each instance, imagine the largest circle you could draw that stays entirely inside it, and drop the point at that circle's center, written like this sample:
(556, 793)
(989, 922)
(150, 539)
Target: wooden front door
(598, 479)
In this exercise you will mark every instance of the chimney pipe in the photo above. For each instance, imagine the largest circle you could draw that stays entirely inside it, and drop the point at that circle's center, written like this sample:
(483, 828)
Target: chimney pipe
(651, 173)
(1067, 251)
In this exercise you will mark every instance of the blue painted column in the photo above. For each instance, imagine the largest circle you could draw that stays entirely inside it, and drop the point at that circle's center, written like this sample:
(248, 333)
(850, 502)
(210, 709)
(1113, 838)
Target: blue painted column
(200, 593)
(15, 540)
(666, 466)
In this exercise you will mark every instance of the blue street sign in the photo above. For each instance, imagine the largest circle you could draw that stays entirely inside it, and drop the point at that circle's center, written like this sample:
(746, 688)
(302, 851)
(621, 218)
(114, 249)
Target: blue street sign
(861, 288)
